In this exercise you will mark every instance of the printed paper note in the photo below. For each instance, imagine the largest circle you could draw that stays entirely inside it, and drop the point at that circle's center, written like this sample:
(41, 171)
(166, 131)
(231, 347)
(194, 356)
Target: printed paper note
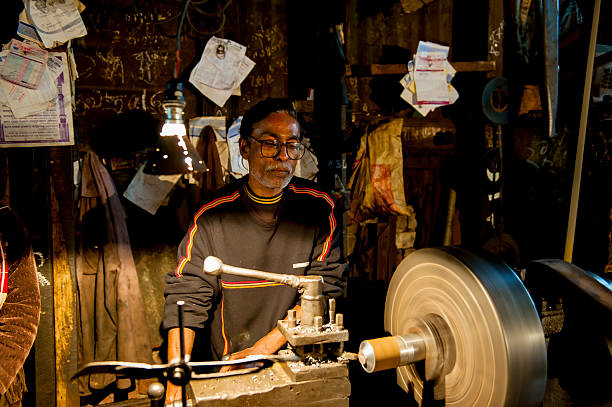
(51, 127)
(55, 21)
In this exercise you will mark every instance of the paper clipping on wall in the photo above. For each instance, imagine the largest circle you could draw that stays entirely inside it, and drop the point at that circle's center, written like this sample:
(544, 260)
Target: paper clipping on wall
(55, 21)
(149, 191)
(24, 65)
(221, 69)
(427, 85)
(52, 126)
(24, 101)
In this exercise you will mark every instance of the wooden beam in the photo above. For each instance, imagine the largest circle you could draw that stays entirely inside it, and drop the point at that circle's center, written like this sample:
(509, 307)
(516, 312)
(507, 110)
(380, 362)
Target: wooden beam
(474, 66)
(402, 69)
(496, 28)
(64, 300)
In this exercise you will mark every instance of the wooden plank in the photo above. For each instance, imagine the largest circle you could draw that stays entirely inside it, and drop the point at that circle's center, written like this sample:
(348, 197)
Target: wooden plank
(32, 203)
(64, 299)
(496, 36)
(401, 69)
(474, 66)
(44, 347)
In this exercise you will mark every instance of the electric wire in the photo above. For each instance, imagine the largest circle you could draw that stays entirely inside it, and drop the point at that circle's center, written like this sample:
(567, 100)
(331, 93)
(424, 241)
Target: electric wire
(178, 38)
(190, 6)
(204, 33)
(217, 13)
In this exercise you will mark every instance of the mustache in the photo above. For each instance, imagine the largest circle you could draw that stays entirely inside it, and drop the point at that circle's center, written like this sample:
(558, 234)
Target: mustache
(279, 168)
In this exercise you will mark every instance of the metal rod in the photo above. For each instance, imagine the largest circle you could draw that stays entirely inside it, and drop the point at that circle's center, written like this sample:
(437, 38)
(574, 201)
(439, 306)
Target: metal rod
(214, 266)
(448, 231)
(180, 304)
(586, 96)
(310, 287)
(391, 352)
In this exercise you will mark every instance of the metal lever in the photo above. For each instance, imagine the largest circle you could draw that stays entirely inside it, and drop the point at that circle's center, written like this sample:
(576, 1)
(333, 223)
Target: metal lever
(181, 374)
(310, 287)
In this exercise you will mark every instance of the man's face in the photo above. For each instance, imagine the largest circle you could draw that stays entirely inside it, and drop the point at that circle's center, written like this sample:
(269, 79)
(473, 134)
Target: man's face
(269, 175)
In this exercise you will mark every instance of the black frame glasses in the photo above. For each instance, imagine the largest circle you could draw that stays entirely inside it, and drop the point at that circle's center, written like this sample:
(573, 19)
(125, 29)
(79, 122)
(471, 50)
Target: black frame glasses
(271, 148)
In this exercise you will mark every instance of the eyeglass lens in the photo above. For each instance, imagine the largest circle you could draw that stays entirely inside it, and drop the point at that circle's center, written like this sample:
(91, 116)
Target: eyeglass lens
(271, 148)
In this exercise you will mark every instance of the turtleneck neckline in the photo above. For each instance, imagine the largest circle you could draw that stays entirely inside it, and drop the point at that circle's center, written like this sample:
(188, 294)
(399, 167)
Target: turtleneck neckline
(260, 199)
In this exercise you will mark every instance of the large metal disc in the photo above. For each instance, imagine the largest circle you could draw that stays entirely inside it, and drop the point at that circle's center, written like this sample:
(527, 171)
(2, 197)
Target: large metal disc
(496, 353)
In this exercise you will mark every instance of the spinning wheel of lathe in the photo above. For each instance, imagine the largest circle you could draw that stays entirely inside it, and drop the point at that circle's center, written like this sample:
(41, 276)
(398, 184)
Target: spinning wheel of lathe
(482, 337)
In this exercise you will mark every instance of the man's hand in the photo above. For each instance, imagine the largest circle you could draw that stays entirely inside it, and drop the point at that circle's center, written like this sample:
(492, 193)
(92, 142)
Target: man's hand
(267, 345)
(243, 354)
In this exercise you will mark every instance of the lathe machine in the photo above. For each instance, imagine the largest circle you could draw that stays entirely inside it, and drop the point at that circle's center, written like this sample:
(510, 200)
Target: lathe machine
(463, 332)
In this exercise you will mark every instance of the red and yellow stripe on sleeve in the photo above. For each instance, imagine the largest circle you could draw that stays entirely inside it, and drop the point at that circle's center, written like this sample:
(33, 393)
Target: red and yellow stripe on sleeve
(332, 218)
(3, 273)
(248, 284)
(192, 231)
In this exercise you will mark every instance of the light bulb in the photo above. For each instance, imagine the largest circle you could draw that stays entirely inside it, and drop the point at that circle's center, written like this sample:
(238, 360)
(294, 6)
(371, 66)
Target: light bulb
(173, 129)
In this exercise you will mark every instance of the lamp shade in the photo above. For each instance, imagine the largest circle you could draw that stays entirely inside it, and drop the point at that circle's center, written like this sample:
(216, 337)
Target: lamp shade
(174, 153)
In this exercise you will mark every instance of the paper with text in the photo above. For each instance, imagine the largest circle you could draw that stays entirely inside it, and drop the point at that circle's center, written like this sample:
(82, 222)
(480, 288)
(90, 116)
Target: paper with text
(51, 127)
(24, 64)
(223, 66)
(55, 21)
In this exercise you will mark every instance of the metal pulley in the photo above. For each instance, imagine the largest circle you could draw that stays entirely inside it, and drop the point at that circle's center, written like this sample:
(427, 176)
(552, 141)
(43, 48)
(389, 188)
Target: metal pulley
(464, 330)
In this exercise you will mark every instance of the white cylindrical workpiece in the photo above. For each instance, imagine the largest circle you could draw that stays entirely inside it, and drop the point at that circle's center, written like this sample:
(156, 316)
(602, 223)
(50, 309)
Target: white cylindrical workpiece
(391, 352)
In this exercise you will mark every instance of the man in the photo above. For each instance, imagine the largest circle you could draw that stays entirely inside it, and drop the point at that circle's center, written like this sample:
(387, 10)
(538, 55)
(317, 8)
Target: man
(268, 221)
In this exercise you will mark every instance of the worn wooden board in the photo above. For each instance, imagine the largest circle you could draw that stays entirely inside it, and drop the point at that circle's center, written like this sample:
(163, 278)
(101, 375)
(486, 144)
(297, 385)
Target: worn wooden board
(496, 36)
(64, 300)
(401, 69)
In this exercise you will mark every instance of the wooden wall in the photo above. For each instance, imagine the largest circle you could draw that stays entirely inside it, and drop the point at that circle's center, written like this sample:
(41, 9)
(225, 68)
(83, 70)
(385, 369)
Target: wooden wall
(124, 64)
(379, 35)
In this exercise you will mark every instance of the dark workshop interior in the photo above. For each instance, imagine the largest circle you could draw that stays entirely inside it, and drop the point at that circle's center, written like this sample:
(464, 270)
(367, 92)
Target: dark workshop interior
(465, 149)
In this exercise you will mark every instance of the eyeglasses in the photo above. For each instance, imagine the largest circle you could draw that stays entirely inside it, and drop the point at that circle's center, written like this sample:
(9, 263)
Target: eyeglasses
(271, 148)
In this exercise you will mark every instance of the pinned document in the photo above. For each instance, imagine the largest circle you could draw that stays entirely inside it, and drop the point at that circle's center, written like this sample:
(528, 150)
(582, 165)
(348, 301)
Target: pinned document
(221, 69)
(427, 84)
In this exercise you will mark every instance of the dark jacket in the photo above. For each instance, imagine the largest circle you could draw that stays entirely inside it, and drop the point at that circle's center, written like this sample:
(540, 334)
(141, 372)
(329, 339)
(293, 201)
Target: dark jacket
(113, 325)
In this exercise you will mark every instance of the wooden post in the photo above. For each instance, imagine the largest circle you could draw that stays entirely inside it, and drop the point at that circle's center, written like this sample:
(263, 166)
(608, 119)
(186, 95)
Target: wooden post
(64, 292)
(496, 36)
(586, 98)
(63, 304)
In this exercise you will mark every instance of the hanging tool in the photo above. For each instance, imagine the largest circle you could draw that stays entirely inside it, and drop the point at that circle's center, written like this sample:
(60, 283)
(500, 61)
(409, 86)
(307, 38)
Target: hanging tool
(549, 14)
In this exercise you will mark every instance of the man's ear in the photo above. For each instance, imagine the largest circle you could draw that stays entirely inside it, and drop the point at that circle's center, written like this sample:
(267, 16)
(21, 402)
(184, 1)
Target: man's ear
(244, 147)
